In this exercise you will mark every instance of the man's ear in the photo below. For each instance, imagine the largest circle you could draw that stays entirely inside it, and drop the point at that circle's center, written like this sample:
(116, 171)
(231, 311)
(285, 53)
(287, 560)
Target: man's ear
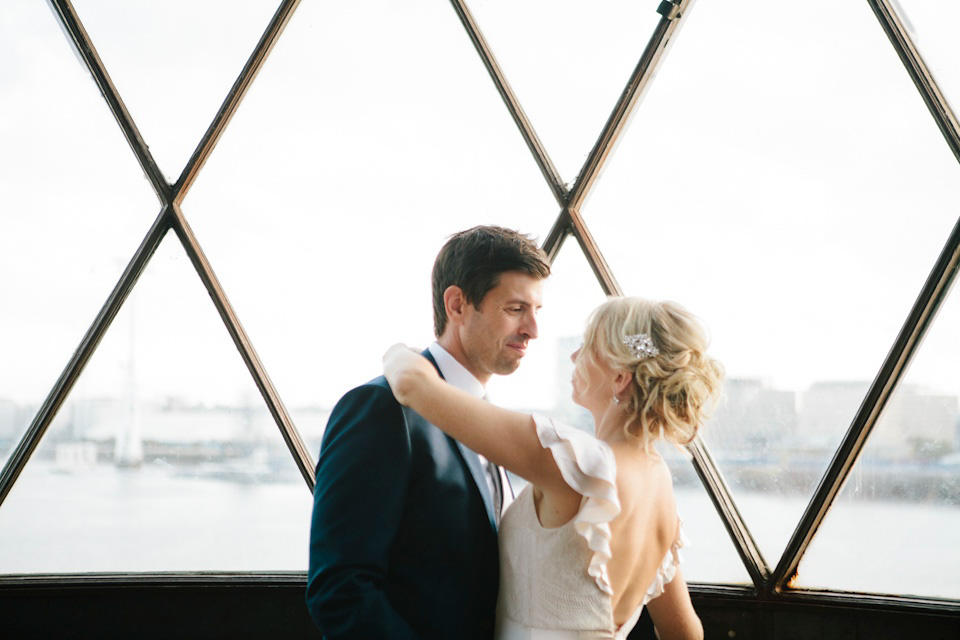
(454, 302)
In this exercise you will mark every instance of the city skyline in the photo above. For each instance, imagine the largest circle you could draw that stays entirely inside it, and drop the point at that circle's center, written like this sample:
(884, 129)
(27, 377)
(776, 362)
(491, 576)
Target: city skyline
(753, 419)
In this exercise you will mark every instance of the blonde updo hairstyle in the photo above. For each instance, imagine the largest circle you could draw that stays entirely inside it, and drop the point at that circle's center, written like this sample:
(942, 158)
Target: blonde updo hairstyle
(674, 391)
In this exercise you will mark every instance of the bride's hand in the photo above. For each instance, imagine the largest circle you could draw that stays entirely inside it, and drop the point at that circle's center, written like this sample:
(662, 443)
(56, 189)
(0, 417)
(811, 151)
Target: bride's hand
(406, 371)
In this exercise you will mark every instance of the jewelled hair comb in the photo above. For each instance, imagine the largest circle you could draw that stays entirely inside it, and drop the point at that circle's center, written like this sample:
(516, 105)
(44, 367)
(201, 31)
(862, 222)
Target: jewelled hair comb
(641, 345)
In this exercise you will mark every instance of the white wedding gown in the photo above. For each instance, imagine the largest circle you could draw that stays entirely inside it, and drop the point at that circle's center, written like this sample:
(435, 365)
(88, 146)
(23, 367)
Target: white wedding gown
(553, 582)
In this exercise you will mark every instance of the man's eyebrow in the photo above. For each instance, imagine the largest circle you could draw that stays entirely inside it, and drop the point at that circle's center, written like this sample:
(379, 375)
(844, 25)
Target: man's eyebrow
(521, 301)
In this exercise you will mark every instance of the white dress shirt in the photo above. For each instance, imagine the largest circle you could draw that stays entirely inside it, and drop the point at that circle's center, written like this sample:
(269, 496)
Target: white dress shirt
(458, 376)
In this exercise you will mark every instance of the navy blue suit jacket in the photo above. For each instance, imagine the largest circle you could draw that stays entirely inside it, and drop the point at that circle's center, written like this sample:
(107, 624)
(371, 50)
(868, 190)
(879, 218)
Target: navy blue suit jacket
(403, 541)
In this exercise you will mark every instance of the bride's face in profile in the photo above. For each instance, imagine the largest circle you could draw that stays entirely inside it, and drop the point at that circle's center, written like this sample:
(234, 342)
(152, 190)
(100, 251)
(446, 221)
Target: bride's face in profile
(593, 383)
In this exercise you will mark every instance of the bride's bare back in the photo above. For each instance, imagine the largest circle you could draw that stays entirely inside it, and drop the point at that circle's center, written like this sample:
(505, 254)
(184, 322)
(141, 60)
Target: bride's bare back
(645, 528)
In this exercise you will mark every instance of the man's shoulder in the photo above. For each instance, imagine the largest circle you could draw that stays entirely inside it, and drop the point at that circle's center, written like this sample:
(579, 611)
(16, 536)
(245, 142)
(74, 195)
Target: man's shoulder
(366, 411)
(377, 385)
(371, 410)
(373, 392)
(374, 401)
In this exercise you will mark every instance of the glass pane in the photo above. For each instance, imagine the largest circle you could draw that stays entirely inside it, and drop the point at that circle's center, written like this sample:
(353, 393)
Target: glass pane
(900, 501)
(361, 175)
(567, 63)
(710, 555)
(543, 382)
(75, 206)
(933, 26)
(771, 195)
(753, 422)
(164, 458)
(173, 63)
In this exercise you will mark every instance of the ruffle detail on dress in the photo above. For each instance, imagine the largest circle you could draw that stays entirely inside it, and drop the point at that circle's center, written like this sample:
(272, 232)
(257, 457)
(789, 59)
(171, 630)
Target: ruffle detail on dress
(588, 466)
(667, 570)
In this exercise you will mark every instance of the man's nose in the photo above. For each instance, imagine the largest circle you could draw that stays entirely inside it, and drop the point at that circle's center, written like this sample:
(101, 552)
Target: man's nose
(530, 328)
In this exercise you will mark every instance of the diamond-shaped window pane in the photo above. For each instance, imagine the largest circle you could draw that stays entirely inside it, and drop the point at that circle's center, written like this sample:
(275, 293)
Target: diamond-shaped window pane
(567, 61)
(173, 63)
(75, 206)
(362, 173)
(164, 458)
(771, 195)
(901, 500)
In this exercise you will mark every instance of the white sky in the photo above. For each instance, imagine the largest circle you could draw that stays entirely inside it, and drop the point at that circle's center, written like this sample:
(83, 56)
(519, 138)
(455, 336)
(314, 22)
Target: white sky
(782, 179)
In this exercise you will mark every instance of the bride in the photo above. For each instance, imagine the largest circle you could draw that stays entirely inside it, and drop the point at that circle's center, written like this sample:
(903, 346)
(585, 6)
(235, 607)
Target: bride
(595, 536)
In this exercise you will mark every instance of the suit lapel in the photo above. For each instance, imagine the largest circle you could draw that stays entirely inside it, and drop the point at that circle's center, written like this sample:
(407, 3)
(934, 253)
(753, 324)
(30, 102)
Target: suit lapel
(472, 462)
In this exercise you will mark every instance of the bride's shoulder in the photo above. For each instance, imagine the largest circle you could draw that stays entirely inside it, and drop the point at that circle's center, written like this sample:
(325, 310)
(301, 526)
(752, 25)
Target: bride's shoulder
(642, 477)
(587, 452)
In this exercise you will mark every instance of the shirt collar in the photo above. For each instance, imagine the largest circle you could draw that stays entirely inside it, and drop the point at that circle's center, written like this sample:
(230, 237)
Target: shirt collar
(455, 373)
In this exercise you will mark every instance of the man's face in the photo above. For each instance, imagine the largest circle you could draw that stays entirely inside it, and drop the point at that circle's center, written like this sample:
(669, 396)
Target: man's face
(495, 335)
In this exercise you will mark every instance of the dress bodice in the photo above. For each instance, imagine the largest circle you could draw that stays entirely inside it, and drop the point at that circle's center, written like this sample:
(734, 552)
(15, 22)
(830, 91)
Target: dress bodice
(553, 582)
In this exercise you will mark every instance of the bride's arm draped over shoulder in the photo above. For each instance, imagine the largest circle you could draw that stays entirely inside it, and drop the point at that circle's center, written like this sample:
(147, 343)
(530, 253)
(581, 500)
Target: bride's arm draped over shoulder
(673, 614)
(504, 437)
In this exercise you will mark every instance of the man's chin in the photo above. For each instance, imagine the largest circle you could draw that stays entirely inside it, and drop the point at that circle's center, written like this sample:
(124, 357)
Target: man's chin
(507, 367)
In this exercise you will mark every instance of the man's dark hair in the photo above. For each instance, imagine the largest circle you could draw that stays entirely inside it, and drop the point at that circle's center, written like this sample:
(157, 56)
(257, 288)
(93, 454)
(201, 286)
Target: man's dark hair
(474, 259)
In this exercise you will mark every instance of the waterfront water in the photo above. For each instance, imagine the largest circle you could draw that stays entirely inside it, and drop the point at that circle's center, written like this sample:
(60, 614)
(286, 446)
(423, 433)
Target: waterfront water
(105, 519)
(871, 546)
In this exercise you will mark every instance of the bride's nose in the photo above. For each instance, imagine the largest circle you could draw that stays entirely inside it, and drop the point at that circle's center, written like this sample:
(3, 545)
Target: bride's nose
(573, 356)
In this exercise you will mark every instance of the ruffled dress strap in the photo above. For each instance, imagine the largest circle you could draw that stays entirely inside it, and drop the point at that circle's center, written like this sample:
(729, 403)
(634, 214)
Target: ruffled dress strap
(588, 466)
(668, 568)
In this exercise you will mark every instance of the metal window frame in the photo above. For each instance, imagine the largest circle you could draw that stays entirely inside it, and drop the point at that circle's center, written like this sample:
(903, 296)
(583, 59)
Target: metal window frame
(571, 222)
(170, 218)
(766, 584)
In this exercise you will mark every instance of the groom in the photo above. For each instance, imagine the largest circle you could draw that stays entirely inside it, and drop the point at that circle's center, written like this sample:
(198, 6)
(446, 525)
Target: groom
(403, 542)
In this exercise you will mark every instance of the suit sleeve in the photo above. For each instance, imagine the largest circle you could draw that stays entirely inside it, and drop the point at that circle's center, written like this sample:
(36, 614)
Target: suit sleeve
(362, 477)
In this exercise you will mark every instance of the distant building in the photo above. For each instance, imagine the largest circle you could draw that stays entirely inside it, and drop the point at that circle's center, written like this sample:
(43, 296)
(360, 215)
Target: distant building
(752, 419)
(826, 412)
(97, 418)
(916, 424)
